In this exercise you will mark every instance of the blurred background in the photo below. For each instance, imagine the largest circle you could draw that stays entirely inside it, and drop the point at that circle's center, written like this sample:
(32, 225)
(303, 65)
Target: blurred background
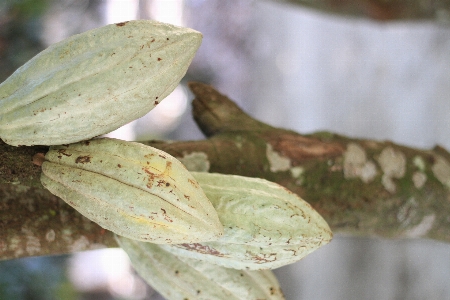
(287, 66)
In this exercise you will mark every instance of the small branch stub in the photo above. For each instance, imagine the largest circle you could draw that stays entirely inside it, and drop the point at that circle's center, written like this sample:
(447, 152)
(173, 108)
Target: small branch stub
(38, 159)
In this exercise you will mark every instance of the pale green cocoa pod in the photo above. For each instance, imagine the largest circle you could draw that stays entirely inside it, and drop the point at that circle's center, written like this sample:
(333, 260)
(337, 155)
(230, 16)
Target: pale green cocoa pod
(94, 82)
(265, 225)
(183, 278)
(134, 190)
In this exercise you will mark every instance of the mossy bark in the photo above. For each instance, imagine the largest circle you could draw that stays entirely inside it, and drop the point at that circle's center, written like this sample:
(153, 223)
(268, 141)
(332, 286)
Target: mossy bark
(360, 187)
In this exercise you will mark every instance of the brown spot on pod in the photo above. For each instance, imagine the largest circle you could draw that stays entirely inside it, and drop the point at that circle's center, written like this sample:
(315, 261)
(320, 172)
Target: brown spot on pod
(197, 247)
(193, 183)
(63, 152)
(121, 24)
(83, 159)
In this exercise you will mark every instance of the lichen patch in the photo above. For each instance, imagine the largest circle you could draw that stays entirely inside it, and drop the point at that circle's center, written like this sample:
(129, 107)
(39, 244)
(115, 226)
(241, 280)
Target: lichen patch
(3, 246)
(87, 223)
(50, 235)
(422, 228)
(28, 203)
(407, 212)
(96, 246)
(368, 172)
(354, 155)
(33, 245)
(63, 216)
(441, 170)
(66, 235)
(22, 188)
(419, 179)
(196, 161)
(239, 142)
(14, 243)
(419, 163)
(393, 165)
(388, 184)
(356, 164)
(277, 162)
(82, 243)
(297, 174)
(392, 162)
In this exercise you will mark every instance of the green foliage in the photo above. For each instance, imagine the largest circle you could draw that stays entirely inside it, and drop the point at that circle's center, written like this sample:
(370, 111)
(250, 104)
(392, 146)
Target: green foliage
(19, 33)
(36, 278)
(27, 8)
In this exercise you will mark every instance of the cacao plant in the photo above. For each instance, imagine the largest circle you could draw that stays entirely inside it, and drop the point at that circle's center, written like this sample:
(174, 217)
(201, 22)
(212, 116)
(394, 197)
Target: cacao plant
(265, 225)
(186, 278)
(215, 230)
(134, 190)
(94, 82)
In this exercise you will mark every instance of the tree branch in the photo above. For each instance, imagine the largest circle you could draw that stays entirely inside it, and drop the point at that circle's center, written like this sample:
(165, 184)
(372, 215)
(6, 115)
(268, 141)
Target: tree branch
(384, 10)
(361, 187)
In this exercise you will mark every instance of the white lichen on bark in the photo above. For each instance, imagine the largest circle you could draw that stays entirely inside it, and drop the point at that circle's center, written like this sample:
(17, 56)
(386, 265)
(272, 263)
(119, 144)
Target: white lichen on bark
(82, 243)
(297, 173)
(14, 245)
(441, 169)
(407, 212)
(422, 228)
(356, 164)
(50, 235)
(419, 179)
(28, 203)
(196, 161)
(393, 165)
(238, 142)
(277, 162)
(33, 244)
(419, 163)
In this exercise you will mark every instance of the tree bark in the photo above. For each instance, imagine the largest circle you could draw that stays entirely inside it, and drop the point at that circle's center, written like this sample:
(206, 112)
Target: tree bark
(361, 187)
(382, 10)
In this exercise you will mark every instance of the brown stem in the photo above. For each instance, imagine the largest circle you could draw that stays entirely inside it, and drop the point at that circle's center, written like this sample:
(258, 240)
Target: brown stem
(382, 10)
(361, 187)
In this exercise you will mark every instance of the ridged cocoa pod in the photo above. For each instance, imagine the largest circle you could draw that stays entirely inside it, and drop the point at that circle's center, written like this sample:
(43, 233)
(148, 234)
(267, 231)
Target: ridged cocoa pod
(94, 82)
(265, 225)
(185, 278)
(134, 190)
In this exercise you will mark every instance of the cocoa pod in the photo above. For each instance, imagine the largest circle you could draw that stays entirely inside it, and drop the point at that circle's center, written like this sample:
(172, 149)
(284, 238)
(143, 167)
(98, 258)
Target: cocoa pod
(94, 82)
(265, 225)
(131, 189)
(186, 278)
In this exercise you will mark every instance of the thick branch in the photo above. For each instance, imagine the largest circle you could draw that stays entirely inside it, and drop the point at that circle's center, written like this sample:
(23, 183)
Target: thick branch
(360, 187)
(384, 10)
(35, 222)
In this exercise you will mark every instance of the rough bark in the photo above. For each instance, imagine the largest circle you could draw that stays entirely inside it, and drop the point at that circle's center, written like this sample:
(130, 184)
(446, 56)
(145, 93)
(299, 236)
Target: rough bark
(361, 187)
(382, 10)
